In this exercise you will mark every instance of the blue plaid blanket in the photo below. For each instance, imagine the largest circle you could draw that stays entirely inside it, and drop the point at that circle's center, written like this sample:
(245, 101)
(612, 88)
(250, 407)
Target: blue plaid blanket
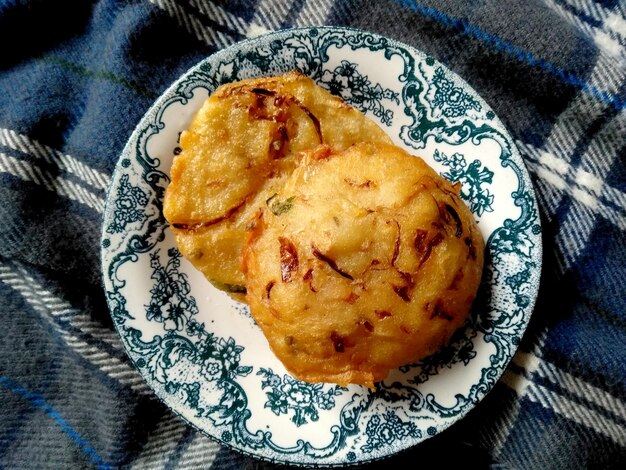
(77, 75)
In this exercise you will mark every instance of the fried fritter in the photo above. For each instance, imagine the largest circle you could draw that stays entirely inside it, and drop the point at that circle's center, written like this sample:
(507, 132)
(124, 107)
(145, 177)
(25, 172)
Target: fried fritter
(364, 261)
(242, 144)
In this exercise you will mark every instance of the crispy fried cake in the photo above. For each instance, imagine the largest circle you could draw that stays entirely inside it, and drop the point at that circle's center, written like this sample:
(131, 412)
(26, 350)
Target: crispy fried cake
(362, 261)
(243, 143)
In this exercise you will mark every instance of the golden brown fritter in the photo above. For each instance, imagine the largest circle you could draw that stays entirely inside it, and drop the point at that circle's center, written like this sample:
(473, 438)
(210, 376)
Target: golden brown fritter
(364, 261)
(244, 141)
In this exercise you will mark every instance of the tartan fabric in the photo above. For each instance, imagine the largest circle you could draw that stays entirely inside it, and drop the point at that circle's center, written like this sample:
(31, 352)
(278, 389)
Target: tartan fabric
(77, 75)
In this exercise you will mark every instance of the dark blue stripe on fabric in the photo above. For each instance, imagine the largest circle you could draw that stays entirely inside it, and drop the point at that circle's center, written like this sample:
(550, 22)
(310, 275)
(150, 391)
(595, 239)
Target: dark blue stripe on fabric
(580, 14)
(58, 338)
(13, 426)
(568, 345)
(37, 400)
(533, 442)
(612, 317)
(562, 390)
(520, 54)
(608, 4)
(78, 207)
(594, 127)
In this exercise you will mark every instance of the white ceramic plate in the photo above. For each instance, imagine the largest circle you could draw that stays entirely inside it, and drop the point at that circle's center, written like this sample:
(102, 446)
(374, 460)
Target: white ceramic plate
(201, 351)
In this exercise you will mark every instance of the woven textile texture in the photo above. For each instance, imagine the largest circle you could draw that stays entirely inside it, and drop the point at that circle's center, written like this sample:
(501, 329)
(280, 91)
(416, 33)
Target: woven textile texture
(76, 76)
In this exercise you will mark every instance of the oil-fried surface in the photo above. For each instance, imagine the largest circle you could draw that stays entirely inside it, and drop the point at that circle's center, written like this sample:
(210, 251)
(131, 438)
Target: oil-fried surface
(372, 262)
(244, 141)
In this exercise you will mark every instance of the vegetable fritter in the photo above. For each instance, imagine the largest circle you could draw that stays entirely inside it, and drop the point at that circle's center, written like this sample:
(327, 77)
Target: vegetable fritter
(365, 260)
(242, 144)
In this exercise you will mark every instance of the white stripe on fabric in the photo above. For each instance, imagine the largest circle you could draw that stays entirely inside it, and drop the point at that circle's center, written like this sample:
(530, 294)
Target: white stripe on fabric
(520, 385)
(577, 413)
(580, 194)
(610, 214)
(596, 163)
(573, 384)
(282, 8)
(160, 444)
(532, 362)
(200, 453)
(578, 225)
(313, 12)
(219, 15)
(64, 162)
(571, 239)
(225, 18)
(566, 408)
(22, 283)
(528, 362)
(611, 46)
(572, 123)
(603, 40)
(590, 182)
(192, 24)
(255, 30)
(64, 187)
(516, 382)
(548, 197)
(36, 292)
(270, 13)
(606, 75)
(616, 23)
(580, 180)
(588, 7)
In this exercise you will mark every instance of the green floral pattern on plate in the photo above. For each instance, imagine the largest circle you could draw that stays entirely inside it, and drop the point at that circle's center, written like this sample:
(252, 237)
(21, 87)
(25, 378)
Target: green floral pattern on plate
(386, 429)
(304, 399)
(473, 178)
(356, 89)
(451, 99)
(129, 206)
(202, 353)
(170, 302)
